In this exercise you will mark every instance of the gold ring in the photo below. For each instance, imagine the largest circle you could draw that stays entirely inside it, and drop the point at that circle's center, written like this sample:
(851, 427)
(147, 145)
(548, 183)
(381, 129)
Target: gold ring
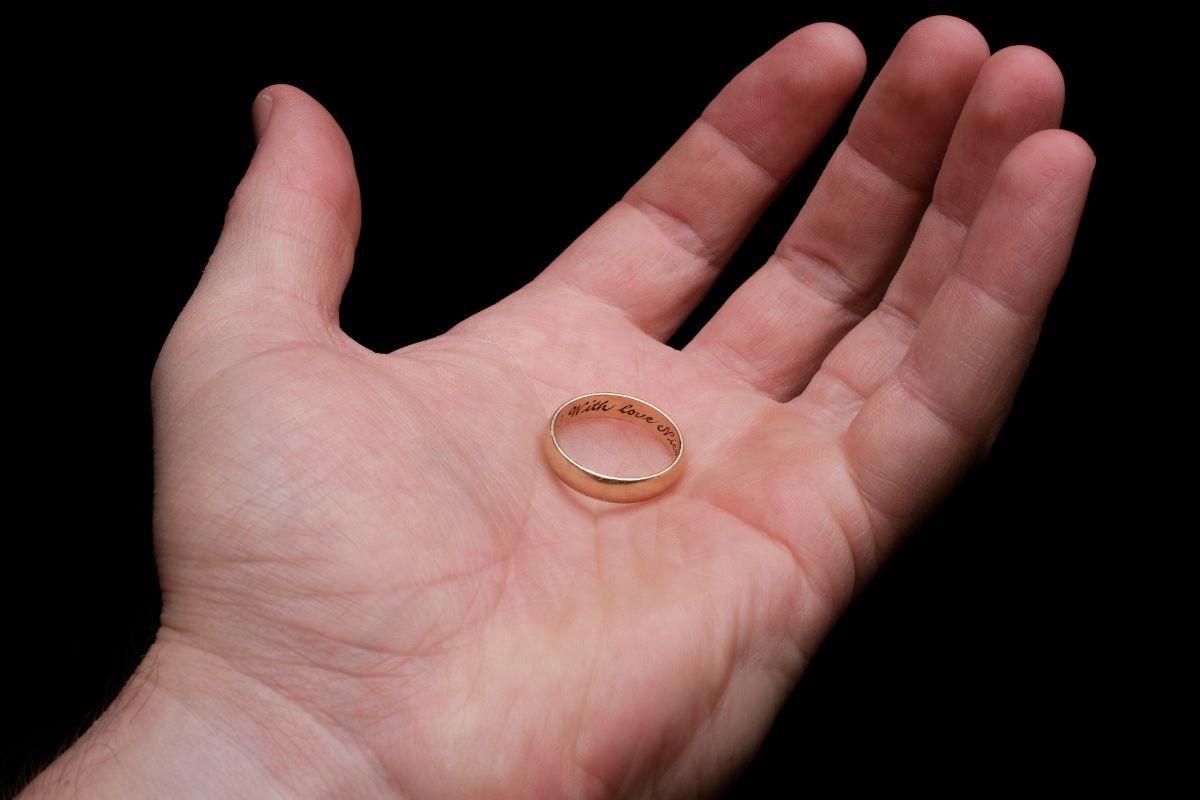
(627, 408)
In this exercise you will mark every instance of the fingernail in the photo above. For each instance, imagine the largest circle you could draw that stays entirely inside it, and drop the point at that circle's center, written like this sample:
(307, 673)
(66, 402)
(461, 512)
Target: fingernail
(260, 115)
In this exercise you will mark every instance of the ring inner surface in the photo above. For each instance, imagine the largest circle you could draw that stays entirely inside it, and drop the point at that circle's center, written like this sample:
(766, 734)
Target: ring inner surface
(625, 409)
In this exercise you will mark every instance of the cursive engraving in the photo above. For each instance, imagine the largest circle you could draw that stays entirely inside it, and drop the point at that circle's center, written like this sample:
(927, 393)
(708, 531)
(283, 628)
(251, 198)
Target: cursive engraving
(632, 411)
(671, 437)
(584, 408)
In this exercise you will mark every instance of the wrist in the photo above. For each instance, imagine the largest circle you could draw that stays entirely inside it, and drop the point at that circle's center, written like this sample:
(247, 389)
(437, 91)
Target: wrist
(189, 724)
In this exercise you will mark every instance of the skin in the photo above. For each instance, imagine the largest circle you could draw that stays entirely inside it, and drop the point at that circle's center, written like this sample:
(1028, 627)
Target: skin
(367, 596)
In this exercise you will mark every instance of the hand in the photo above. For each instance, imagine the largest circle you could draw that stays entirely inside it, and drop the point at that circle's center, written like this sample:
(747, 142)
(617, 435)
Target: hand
(372, 581)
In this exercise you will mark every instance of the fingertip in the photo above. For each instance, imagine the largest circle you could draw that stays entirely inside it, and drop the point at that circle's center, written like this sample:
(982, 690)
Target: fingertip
(1073, 145)
(1031, 63)
(1023, 234)
(292, 226)
(909, 114)
(1019, 91)
(823, 59)
(946, 45)
(298, 108)
(843, 49)
(1029, 72)
(937, 60)
(302, 145)
(266, 101)
(1047, 157)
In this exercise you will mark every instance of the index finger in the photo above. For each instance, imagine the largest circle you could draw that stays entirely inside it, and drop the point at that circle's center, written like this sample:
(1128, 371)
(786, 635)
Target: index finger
(662, 245)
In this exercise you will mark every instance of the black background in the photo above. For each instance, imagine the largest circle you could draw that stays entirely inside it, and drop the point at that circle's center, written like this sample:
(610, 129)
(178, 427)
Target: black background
(990, 650)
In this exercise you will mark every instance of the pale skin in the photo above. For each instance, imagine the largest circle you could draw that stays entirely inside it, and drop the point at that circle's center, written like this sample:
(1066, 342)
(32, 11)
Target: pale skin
(367, 594)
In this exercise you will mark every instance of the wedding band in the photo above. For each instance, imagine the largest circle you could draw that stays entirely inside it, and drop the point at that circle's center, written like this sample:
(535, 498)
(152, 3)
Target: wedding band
(610, 405)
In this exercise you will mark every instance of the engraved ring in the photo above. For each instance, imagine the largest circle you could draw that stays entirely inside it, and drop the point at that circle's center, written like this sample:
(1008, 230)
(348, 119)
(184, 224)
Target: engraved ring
(610, 405)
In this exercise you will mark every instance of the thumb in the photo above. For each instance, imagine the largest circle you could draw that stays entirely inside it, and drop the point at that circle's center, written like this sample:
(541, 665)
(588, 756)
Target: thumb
(288, 244)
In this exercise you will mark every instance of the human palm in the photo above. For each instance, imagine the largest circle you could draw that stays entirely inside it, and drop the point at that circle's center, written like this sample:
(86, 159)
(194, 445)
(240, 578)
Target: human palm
(377, 540)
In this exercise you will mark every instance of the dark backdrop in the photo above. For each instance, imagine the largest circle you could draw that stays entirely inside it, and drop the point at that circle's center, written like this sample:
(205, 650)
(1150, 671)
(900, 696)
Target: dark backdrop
(989, 650)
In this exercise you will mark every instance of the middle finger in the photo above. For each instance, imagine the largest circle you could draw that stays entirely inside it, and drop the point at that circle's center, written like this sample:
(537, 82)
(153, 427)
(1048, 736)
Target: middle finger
(830, 267)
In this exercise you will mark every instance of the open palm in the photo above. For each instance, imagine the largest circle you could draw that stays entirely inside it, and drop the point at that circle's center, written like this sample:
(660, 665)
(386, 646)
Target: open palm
(376, 539)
